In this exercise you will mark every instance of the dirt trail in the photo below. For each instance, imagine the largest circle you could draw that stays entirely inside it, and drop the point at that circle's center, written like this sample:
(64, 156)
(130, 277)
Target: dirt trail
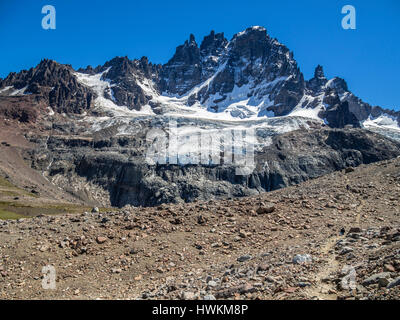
(324, 289)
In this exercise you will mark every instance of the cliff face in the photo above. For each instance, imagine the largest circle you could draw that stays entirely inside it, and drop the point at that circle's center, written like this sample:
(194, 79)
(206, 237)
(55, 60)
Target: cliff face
(117, 165)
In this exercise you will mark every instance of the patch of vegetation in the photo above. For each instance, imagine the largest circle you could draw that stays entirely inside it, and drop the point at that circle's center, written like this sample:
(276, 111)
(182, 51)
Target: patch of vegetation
(18, 210)
(10, 190)
(9, 193)
(6, 183)
(8, 215)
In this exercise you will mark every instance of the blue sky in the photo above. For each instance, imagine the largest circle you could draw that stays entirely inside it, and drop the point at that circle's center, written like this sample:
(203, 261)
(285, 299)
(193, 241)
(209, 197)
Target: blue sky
(92, 32)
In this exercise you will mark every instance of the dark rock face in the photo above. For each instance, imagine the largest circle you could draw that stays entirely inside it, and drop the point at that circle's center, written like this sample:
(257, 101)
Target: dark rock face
(54, 82)
(289, 96)
(357, 108)
(301, 155)
(183, 71)
(117, 166)
(317, 83)
(124, 75)
(339, 116)
(211, 49)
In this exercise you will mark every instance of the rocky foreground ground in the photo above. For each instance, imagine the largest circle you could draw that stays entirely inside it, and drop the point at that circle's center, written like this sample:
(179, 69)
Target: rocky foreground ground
(335, 237)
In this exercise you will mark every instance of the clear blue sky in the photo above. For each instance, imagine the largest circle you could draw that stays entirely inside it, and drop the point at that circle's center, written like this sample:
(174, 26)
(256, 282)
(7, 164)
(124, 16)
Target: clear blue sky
(91, 32)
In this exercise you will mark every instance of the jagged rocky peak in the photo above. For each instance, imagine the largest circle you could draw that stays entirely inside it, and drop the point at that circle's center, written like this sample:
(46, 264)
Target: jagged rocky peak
(318, 82)
(213, 44)
(339, 84)
(123, 67)
(212, 49)
(261, 56)
(51, 73)
(192, 65)
(54, 82)
(255, 43)
(192, 40)
(319, 72)
(119, 68)
(188, 52)
(149, 69)
(45, 73)
(183, 71)
(221, 69)
(268, 67)
(126, 77)
(89, 70)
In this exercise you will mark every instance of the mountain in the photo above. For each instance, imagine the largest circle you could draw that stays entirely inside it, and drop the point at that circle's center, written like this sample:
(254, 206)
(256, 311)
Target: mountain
(252, 76)
(89, 132)
(128, 178)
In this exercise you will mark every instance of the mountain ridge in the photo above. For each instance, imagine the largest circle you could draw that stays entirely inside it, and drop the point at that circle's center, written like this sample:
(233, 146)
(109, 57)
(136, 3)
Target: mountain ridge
(251, 76)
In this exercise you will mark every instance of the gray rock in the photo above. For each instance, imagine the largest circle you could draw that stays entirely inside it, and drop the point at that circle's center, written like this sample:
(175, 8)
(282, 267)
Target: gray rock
(383, 282)
(355, 230)
(270, 279)
(346, 250)
(302, 258)
(244, 258)
(303, 284)
(394, 283)
(374, 279)
(266, 208)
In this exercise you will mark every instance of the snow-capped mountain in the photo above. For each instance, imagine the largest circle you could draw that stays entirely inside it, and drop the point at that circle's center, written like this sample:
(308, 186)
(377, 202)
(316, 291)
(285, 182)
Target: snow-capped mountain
(220, 119)
(250, 78)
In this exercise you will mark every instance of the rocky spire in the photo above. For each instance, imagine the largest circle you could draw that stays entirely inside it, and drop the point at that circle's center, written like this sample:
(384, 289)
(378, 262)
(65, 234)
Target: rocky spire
(183, 71)
(317, 83)
(319, 72)
(213, 44)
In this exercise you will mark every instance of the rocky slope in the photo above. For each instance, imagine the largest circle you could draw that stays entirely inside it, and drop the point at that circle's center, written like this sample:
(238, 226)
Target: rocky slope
(334, 237)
